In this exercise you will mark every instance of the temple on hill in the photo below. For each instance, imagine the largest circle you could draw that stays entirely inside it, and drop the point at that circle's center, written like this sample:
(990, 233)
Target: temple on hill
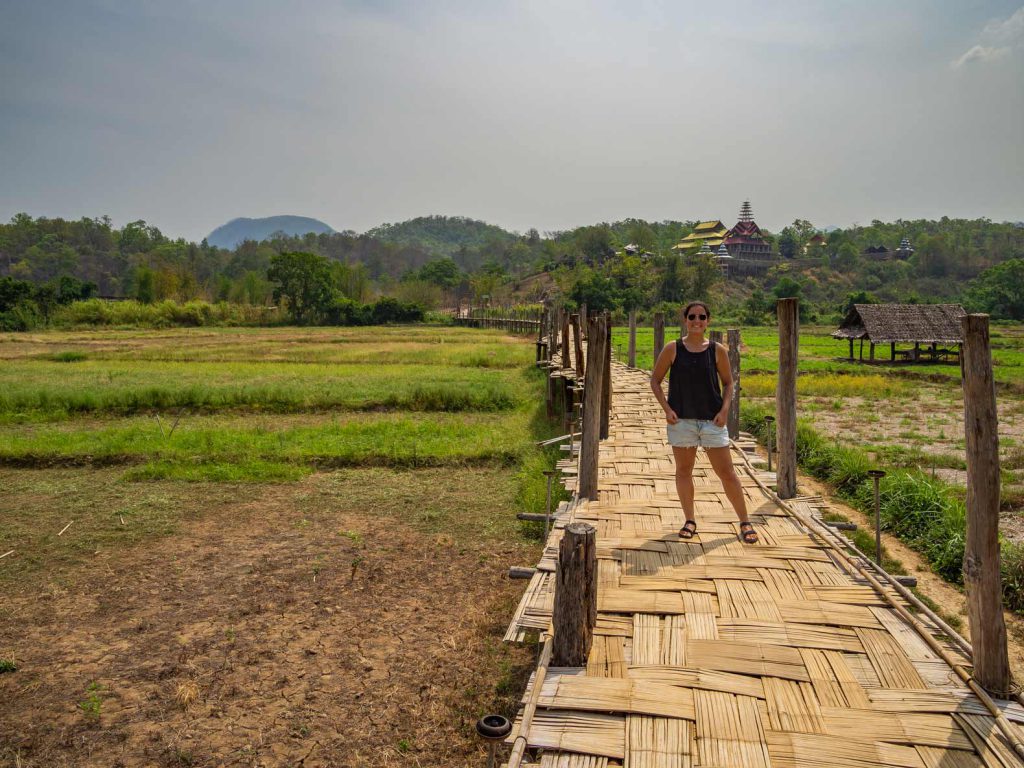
(709, 233)
(744, 241)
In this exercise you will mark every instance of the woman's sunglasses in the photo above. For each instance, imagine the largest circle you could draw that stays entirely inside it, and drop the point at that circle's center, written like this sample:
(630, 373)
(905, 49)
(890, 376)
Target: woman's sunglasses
(696, 317)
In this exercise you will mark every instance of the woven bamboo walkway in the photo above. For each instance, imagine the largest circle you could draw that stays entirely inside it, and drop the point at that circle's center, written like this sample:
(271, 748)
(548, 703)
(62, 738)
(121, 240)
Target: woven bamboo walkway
(713, 653)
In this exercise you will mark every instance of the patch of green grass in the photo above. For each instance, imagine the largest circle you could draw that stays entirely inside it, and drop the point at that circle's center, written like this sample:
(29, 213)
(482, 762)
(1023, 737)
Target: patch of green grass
(7, 665)
(41, 388)
(199, 471)
(68, 356)
(952, 620)
(200, 446)
(92, 704)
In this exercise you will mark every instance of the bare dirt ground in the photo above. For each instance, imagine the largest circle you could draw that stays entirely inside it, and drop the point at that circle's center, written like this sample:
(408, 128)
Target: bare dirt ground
(305, 628)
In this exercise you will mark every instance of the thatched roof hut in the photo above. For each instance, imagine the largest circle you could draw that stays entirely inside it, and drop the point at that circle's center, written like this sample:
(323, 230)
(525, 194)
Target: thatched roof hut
(892, 324)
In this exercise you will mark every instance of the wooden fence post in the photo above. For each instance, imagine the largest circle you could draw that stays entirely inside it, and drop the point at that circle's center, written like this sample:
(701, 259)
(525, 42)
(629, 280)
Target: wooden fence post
(584, 317)
(606, 388)
(785, 396)
(632, 339)
(575, 611)
(587, 480)
(566, 359)
(981, 554)
(659, 335)
(734, 365)
(578, 339)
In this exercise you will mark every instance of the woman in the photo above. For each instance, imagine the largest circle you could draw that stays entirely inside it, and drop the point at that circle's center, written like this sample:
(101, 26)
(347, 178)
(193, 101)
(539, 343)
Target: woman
(696, 411)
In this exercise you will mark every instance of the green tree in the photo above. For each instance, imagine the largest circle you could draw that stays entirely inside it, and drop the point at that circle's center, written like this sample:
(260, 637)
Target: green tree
(595, 290)
(304, 283)
(789, 243)
(856, 297)
(145, 285)
(443, 272)
(999, 291)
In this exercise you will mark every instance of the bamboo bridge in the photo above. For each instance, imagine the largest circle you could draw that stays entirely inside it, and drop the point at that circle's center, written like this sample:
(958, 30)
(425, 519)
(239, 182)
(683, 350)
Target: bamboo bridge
(791, 653)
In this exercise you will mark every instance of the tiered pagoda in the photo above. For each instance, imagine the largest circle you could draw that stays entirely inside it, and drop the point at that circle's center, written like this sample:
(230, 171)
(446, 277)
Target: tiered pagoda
(744, 241)
(709, 233)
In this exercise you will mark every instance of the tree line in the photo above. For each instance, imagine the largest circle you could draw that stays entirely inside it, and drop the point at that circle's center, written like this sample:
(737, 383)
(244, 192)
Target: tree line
(440, 261)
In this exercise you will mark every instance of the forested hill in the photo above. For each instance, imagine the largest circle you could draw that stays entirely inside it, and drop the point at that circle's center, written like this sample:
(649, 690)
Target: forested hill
(444, 235)
(239, 230)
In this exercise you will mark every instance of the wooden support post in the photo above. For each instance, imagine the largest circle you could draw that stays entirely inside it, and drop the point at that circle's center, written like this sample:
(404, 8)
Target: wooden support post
(578, 339)
(851, 350)
(871, 353)
(659, 335)
(862, 348)
(606, 388)
(584, 317)
(575, 611)
(715, 337)
(566, 357)
(591, 435)
(631, 354)
(892, 351)
(734, 365)
(785, 396)
(981, 555)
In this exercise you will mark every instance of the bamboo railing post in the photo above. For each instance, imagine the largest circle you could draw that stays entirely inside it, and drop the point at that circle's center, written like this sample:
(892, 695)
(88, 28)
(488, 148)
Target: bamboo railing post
(981, 555)
(733, 336)
(575, 611)
(591, 433)
(578, 348)
(659, 335)
(785, 396)
(606, 388)
(631, 355)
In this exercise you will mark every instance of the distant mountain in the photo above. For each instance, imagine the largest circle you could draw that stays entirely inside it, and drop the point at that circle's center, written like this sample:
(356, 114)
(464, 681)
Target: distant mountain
(235, 231)
(443, 235)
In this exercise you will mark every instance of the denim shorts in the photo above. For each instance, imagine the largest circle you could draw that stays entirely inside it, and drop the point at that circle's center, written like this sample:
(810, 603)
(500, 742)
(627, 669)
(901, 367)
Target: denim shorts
(693, 433)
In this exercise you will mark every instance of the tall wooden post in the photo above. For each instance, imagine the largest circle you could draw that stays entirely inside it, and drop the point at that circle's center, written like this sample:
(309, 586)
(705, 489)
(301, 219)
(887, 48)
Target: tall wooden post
(575, 611)
(659, 335)
(981, 555)
(578, 339)
(584, 316)
(871, 352)
(589, 439)
(892, 351)
(734, 366)
(851, 350)
(785, 396)
(566, 358)
(606, 382)
(715, 337)
(631, 355)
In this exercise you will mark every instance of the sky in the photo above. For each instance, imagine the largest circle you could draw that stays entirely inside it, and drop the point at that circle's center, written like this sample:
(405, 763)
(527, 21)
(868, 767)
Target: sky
(530, 114)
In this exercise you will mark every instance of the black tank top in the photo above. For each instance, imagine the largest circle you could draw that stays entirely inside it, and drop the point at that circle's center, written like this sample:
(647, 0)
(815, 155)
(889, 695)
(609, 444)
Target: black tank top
(694, 391)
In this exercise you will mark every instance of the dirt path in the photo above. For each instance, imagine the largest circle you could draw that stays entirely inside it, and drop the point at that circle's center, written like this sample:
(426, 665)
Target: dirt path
(251, 639)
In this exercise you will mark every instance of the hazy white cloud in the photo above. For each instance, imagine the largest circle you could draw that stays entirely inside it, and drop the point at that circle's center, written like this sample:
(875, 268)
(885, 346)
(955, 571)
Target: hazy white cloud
(1003, 35)
(980, 53)
(1009, 30)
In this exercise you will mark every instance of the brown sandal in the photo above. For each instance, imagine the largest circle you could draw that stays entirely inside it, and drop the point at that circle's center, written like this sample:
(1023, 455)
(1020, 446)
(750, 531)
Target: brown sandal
(747, 533)
(687, 532)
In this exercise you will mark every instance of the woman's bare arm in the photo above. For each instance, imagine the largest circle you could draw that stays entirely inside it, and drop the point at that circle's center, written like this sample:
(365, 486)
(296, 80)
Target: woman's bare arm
(661, 367)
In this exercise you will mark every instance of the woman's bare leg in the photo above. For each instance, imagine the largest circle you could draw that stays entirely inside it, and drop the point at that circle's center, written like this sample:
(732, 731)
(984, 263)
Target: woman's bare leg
(721, 462)
(685, 458)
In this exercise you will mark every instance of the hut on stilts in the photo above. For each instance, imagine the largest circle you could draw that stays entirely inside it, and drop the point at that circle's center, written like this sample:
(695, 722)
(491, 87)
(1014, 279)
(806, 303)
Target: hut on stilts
(933, 329)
